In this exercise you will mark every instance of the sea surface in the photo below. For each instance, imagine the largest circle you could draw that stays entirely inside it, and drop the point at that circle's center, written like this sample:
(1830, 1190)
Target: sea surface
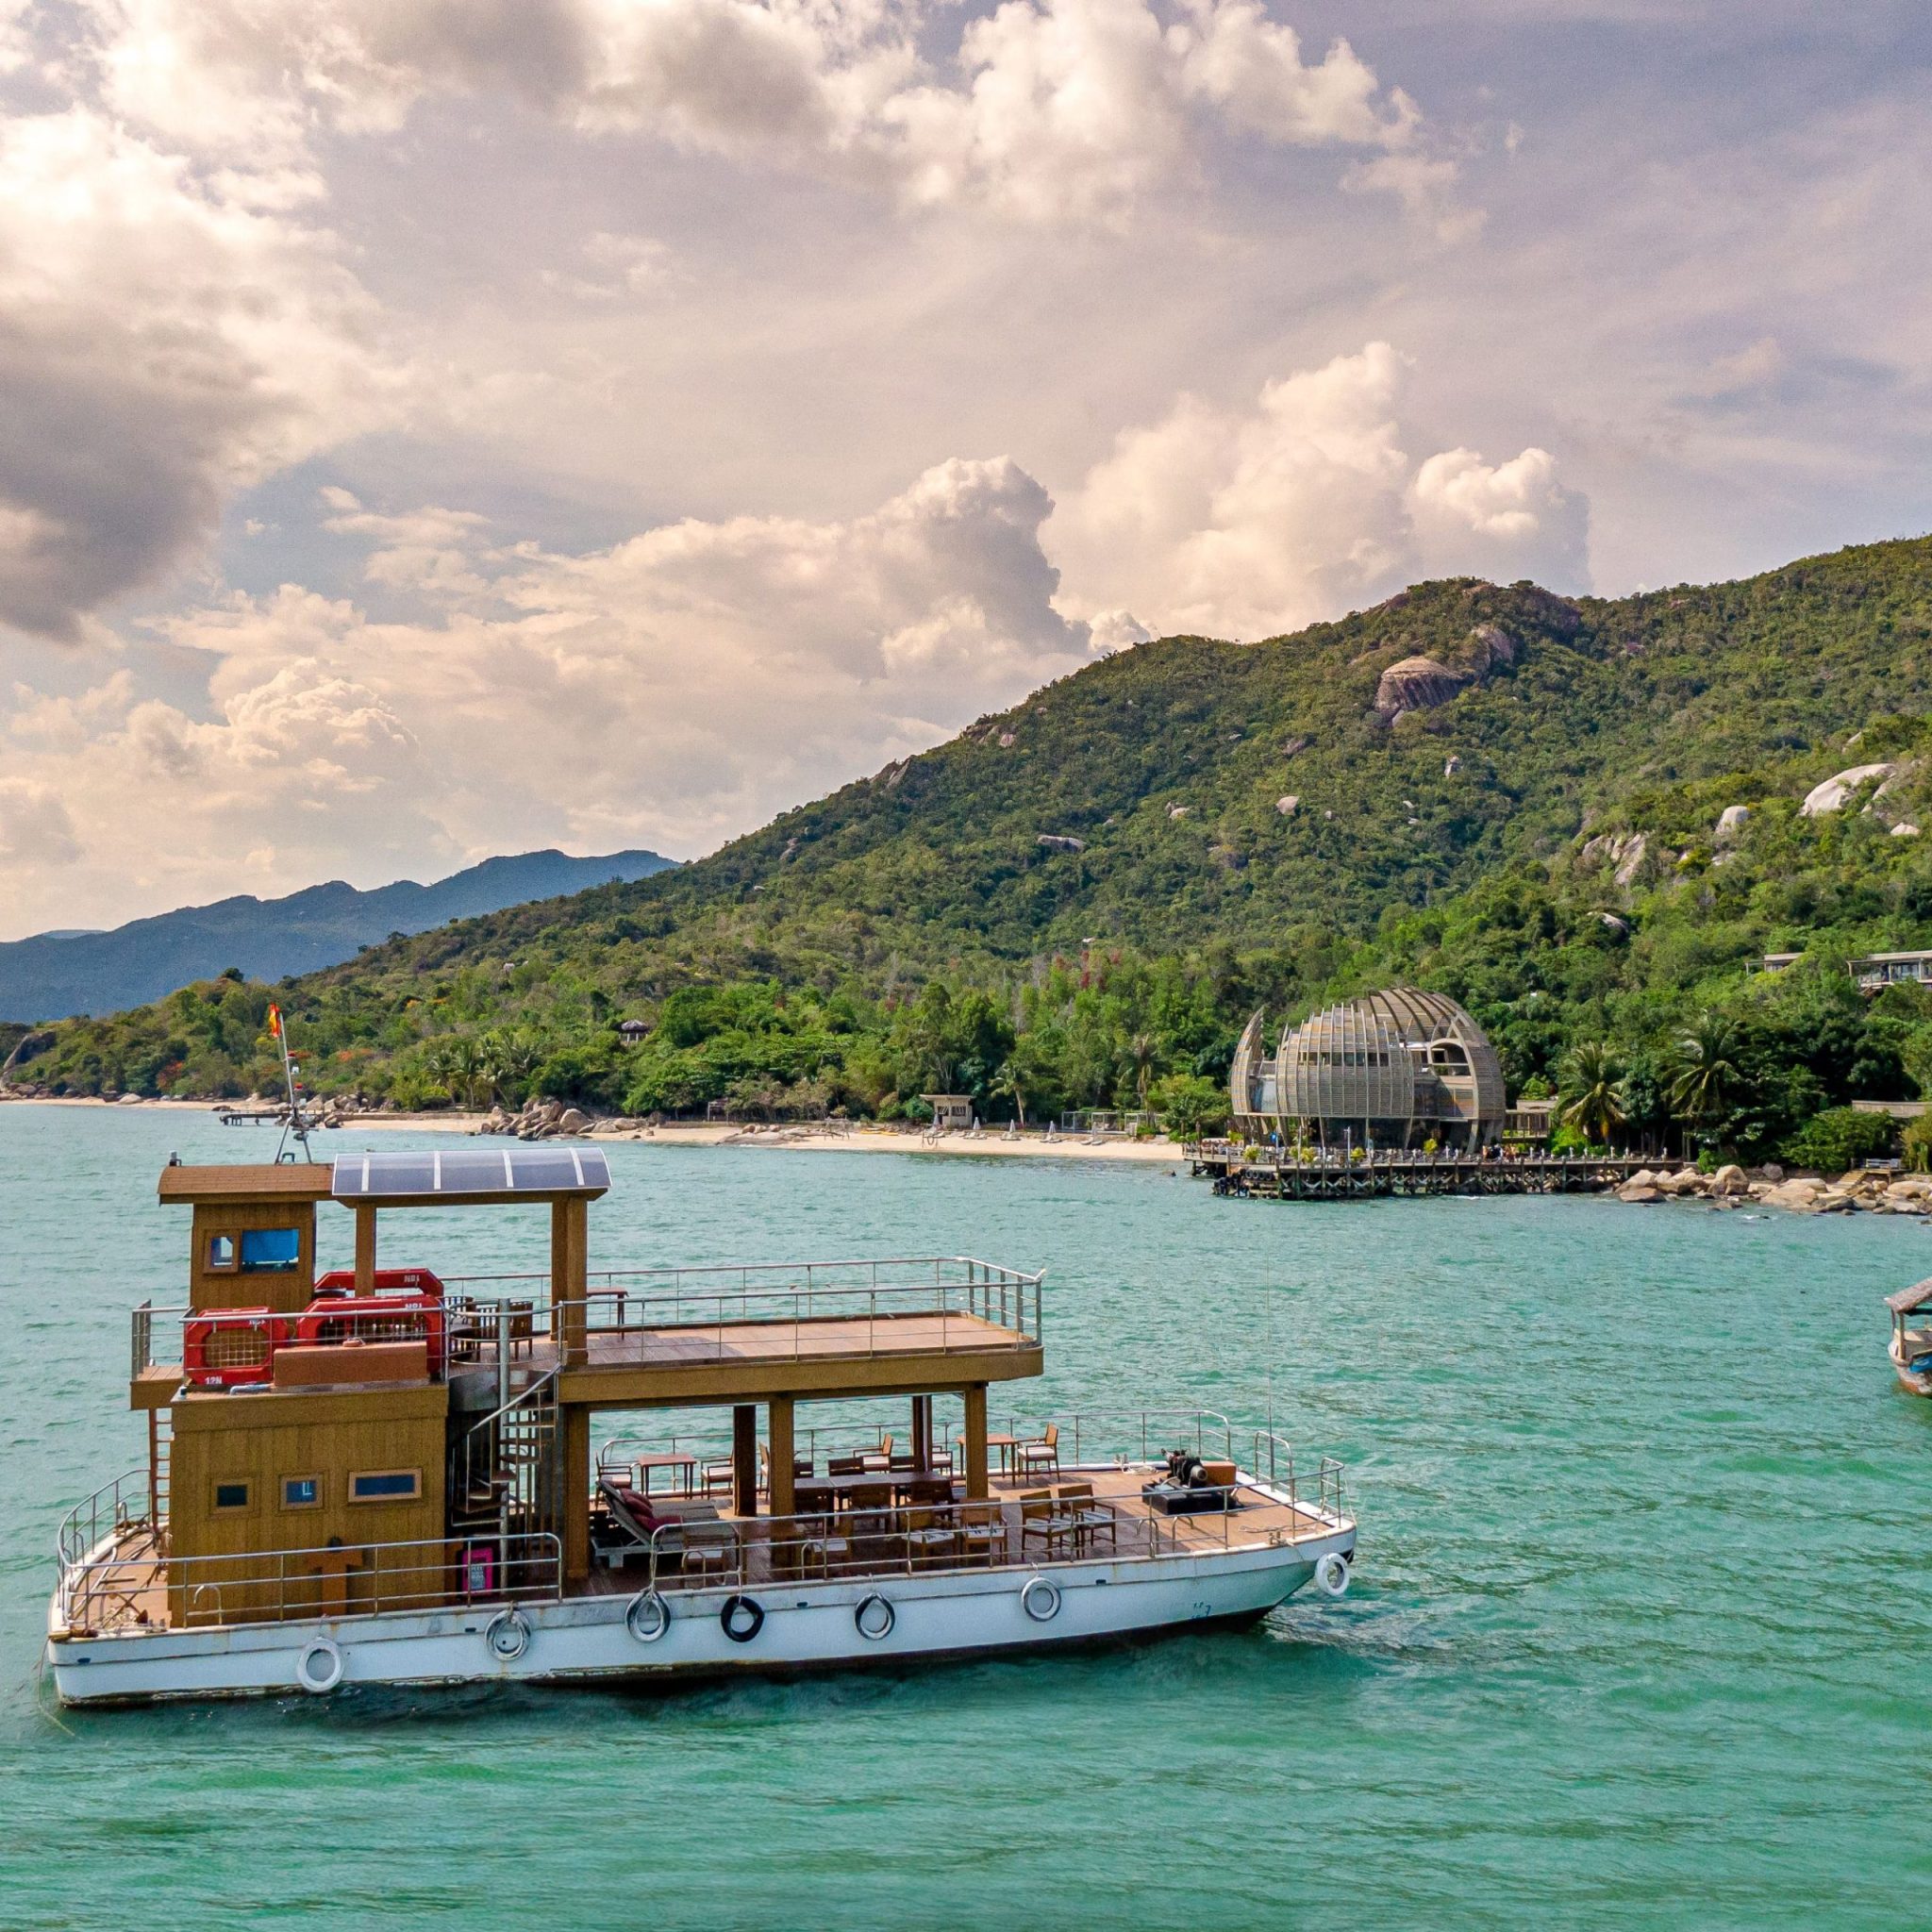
(1639, 1632)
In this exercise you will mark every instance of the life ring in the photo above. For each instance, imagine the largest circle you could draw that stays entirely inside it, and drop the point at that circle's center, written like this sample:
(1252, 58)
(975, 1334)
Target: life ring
(319, 1669)
(1041, 1599)
(647, 1616)
(1331, 1573)
(508, 1636)
(733, 1607)
(874, 1632)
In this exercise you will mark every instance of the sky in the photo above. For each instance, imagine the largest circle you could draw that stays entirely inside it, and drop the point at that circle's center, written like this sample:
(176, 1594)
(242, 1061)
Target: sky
(431, 429)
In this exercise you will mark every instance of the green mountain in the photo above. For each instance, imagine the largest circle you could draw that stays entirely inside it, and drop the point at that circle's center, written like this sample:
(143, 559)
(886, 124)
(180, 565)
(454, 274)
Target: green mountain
(1495, 791)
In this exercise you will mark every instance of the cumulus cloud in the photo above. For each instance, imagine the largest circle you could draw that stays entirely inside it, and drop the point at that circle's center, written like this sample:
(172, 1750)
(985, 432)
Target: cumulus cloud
(165, 343)
(671, 690)
(1246, 525)
(1044, 109)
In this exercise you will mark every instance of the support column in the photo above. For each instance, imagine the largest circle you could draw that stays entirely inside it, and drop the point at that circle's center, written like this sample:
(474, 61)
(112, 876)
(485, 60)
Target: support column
(745, 1459)
(921, 1434)
(976, 1483)
(365, 1248)
(569, 1230)
(782, 1493)
(575, 1445)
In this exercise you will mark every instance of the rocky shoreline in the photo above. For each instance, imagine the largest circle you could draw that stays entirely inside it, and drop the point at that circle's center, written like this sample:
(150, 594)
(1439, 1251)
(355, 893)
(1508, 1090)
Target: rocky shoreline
(1867, 1192)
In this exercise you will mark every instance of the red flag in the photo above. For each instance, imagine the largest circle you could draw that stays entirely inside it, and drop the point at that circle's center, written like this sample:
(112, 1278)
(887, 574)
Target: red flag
(275, 1021)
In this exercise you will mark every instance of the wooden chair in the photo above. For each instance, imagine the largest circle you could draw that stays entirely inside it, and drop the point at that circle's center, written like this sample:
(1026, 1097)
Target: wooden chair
(870, 1523)
(845, 1465)
(820, 1546)
(1042, 1454)
(717, 1476)
(929, 1493)
(929, 1537)
(1090, 1519)
(876, 1462)
(982, 1532)
(1044, 1519)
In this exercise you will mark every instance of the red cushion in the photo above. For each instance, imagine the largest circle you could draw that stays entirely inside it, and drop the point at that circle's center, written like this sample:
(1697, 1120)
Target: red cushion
(639, 1507)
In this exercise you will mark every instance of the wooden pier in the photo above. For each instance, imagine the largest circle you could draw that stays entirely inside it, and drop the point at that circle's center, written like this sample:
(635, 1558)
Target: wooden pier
(1278, 1175)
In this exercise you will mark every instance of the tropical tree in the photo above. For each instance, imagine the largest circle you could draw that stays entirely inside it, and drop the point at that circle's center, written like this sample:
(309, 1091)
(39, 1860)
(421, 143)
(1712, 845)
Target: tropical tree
(1142, 1049)
(1704, 1068)
(1596, 1078)
(1007, 1084)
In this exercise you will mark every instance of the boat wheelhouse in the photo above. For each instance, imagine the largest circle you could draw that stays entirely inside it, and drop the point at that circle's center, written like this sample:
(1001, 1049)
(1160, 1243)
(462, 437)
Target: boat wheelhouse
(380, 1475)
(1911, 1337)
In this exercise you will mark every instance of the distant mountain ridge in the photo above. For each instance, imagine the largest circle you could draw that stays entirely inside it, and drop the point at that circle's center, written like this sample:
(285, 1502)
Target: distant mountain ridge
(54, 976)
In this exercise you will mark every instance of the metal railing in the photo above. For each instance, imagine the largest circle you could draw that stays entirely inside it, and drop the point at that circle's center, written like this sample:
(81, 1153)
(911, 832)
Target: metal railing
(489, 1315)
(964, 1295)
(126, 1586)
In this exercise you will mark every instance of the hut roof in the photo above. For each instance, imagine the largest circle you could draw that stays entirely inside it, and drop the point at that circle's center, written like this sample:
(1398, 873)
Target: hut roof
(1909, 1301)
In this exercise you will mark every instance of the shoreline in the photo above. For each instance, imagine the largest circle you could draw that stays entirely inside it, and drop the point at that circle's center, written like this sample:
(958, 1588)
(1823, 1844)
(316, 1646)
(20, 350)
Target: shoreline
(704, 1134)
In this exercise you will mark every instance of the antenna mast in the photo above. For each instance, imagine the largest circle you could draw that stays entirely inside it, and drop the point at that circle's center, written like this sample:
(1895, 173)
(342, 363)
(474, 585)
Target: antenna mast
(297, 1123)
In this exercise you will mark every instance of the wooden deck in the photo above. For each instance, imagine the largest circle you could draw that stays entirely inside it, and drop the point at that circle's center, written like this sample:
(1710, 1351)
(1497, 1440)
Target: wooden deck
(1139, 1532)
(813, 1356)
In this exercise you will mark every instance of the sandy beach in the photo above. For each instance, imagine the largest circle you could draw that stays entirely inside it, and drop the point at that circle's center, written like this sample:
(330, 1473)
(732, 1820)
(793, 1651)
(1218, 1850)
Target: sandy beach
(996, 1144)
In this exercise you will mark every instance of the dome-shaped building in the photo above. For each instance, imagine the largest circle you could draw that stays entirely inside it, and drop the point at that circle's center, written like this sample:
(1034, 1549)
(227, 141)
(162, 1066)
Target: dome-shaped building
(1388, 1069)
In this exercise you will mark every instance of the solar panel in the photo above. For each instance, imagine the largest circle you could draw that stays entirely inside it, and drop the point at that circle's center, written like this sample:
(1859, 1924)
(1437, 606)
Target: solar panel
(472, 1171)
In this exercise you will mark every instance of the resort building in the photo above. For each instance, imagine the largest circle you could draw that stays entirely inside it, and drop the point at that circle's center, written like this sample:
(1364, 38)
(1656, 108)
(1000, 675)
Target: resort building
(1870, 971)
(1393, 1069)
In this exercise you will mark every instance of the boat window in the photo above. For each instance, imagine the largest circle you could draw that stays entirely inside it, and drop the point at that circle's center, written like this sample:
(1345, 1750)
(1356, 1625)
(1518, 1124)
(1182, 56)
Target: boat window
(301, 1491)
(386, 1486)
(271, 1250)
(232, 1495)
(220, 1253)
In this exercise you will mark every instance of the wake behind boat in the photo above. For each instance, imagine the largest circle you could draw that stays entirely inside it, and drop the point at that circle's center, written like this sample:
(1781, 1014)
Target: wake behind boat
(378, 1475)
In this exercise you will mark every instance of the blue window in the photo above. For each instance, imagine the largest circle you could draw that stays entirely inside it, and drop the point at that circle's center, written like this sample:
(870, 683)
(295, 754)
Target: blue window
(232, 1495)
(386, 1486)
(301, 1491)
(271, 1250)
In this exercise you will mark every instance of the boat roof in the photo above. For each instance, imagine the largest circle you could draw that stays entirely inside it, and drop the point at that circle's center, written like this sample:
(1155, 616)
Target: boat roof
(414, 1176)
(402, 1177)
(263, 1181)
(1909, 1301)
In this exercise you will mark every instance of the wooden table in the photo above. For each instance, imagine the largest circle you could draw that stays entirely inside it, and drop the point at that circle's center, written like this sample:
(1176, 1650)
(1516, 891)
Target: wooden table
(1002, 1445)
(842, 1487)
(669, 1458)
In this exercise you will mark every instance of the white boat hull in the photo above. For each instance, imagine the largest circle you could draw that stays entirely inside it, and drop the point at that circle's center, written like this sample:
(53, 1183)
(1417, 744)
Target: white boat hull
(805, 1627)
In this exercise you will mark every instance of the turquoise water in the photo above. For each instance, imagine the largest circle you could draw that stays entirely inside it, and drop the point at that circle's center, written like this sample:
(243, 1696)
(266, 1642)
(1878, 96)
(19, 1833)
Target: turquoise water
(1637, 1638)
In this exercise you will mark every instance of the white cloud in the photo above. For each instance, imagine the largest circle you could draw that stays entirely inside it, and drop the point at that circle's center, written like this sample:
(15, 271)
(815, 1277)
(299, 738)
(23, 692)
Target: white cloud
(15, 47)
(164, 346)
(1045, 109)
(36, 830)
(672, 690)
(1246, 525)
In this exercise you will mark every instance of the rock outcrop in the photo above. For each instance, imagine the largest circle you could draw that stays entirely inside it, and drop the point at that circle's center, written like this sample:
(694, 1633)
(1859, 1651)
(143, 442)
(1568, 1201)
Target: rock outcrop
(1417, 684)
(1835, 791)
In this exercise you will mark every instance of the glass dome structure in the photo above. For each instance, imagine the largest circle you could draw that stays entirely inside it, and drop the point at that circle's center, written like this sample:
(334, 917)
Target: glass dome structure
(1390, 1069)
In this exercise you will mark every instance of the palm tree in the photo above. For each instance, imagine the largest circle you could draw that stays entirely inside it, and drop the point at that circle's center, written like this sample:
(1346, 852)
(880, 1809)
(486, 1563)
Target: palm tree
(1141, 1050)
(1007, 1082)
(1702, 1069)
(1597, 1111)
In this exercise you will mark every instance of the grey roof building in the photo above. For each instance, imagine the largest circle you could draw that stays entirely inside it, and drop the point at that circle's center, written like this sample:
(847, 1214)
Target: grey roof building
(1393, 1069)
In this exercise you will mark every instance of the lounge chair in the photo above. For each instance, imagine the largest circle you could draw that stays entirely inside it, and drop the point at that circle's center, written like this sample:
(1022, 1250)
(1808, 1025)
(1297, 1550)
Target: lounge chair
(671, 1527)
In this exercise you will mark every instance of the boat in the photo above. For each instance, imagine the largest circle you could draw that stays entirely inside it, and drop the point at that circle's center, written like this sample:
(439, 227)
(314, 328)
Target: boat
(1911, 1348)
(381, 1475)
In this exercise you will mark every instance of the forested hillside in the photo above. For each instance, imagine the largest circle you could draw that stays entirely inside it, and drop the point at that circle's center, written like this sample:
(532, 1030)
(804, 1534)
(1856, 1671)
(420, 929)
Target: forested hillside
(1495, 791)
